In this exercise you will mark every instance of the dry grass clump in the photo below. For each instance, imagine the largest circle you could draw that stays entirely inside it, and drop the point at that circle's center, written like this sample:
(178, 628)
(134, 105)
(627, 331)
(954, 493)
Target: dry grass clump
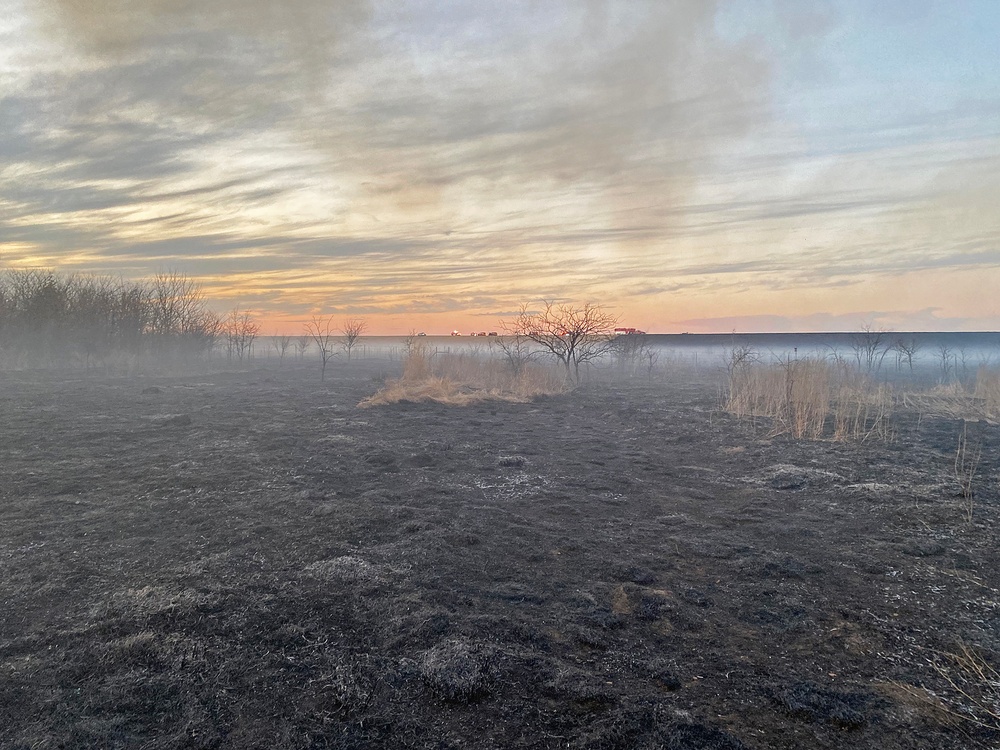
(809, 398)
(461, 379)
(956, 401)
(988, 391)
(975, 686)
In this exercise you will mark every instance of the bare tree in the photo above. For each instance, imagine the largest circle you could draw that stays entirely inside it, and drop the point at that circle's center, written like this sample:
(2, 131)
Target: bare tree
(870, 347)
(351, 331)
(411, 341)
(301, 345)
(281, 342)
(176, 302)
(651, 357)
(322, 331)
(47, 318)
(906, 349)
(962, 365)
(944, 353)
(631, 352)
(241, 329)
(517, 351)
(573, 335)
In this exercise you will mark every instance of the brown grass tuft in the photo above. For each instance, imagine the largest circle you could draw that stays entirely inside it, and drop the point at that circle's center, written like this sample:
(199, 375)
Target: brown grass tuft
(975, 686)
(461, 379)
(988, 391)
(956, 401)
(810, 398)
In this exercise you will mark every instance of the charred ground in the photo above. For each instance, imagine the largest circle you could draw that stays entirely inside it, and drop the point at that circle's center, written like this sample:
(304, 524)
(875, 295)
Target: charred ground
(248, 560)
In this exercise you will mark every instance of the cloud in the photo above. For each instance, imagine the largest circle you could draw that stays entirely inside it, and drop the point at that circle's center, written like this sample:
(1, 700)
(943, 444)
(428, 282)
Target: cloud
(403, 156)
(410, 103)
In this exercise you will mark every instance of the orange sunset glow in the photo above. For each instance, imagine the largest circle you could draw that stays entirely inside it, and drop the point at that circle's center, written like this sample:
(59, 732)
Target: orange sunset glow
(691, 166)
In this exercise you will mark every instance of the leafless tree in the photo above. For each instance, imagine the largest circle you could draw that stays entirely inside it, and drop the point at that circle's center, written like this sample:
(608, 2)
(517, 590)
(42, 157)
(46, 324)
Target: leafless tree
(906, 349)
(281, 342)
(631, 352)
(962, 365)
(178, 315)
(90, 305)
(573, 335)
(323, 332)
(301, 345)
(870, 347)
(517, 351)
(46, 318)
(241, 329)
(944, 353)
(411, 341)
(651, 357)
(351, 331)
(175, 303)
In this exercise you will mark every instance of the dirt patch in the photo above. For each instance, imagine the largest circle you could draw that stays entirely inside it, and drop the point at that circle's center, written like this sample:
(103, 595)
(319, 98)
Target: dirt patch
(622, 566)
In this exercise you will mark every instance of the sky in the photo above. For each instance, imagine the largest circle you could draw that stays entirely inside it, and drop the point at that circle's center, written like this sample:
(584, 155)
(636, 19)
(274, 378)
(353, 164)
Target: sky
(690, 165)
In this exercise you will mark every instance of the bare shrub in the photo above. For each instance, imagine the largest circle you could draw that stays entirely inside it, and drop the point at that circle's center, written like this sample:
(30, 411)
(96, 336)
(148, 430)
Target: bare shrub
(967, 459)
(462, 379)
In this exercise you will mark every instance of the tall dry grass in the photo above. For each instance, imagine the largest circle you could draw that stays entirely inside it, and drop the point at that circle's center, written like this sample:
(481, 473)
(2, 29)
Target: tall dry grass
(809, 398)
(465, 378)
(958, 401)
(975, 686)
(987, 391)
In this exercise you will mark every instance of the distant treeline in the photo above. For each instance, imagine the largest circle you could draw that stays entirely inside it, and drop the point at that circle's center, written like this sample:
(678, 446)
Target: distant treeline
(48, 319)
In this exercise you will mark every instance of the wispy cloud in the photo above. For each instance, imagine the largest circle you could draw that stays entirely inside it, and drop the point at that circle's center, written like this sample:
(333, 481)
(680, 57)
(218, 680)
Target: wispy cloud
(463, 158)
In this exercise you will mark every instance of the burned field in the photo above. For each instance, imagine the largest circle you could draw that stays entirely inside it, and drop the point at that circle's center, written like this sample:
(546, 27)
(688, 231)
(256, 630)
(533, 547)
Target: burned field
(248, 560)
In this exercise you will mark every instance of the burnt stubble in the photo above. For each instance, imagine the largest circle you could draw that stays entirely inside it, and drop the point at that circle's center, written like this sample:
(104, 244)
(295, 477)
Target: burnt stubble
(248, 560)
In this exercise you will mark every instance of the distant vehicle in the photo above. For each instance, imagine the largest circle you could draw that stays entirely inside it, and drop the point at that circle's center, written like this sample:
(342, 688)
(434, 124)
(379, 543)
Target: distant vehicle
(421, 334)
(481, 333)
(492, 333)
(628, 332)
(455, 333)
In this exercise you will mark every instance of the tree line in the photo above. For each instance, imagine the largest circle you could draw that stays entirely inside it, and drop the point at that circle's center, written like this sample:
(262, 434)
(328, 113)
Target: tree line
(48, 319)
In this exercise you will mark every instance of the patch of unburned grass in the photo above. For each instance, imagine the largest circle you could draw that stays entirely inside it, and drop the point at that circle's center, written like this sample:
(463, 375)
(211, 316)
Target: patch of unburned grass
(957, 401)
(461, 379)
(810, 398)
